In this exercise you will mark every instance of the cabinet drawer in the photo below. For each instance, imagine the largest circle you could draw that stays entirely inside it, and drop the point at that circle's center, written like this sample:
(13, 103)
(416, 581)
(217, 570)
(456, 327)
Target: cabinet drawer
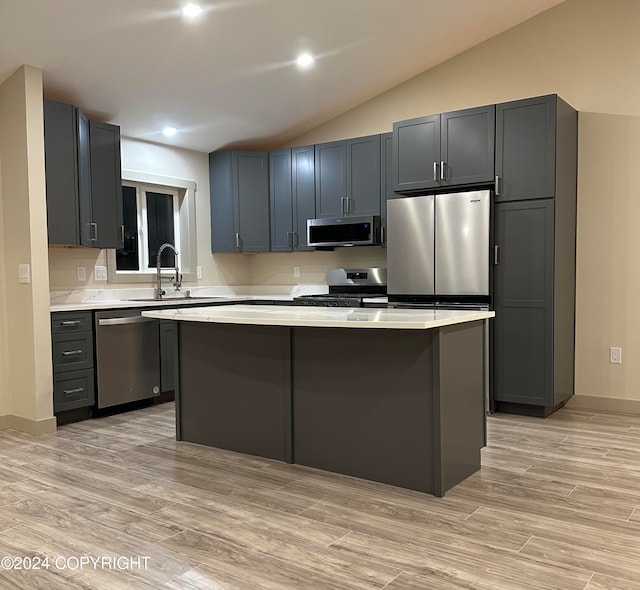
(64, 323)
(72, 352)
(72, 390)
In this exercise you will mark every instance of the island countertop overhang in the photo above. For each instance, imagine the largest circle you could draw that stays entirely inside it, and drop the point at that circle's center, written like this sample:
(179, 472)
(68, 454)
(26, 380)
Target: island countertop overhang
(302, 316)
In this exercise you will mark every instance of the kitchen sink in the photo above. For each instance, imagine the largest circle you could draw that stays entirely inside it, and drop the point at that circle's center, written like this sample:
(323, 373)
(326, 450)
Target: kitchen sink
(190, 298)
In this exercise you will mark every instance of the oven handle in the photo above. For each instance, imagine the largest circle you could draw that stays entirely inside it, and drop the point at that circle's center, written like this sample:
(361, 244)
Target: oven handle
(124, 321)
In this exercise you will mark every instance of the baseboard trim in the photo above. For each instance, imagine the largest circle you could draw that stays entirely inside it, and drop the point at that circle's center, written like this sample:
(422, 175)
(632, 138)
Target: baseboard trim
(44, 426)
(606, 404)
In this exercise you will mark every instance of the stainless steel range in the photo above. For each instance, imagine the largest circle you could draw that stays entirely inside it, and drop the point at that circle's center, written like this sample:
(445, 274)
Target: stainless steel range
(349, 287)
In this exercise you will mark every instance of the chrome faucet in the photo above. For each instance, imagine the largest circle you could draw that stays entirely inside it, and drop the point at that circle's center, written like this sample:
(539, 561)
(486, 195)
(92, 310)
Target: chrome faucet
(177, 283)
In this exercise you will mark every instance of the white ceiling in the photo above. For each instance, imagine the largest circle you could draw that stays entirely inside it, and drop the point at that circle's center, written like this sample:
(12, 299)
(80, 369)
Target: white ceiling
(227, 77)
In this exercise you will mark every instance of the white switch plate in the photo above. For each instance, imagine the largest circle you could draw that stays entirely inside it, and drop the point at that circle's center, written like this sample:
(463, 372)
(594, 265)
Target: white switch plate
(615, 355)
(198, 272)
(24, 273)
(296, 272)
(100, 273)
(82, 273)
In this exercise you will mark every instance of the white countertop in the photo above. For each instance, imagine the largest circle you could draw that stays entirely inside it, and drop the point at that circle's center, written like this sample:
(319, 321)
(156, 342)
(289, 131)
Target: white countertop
(322, 317)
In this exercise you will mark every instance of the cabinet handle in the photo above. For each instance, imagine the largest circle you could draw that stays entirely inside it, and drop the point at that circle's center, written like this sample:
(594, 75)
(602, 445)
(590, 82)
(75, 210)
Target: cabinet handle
(290, 240)
(122, 234)
(496, 255)
(72, 391)
(382, 236)
(71, 323)
(443, 170)
(238, 241)
(94, 232)
(343, 206)
(71, 352)
(348, 205)
(435, 171)
(497, 188)
(295, 239)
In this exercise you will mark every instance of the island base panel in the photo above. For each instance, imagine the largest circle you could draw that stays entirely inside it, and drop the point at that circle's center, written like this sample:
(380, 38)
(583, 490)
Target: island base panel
(363, 403)
(235, 388)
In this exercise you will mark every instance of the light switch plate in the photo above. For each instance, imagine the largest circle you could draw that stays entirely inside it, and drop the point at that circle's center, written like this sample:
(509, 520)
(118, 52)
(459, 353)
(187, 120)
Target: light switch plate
(82, 273)
(198, 272)
(100, 273)
(24, 273)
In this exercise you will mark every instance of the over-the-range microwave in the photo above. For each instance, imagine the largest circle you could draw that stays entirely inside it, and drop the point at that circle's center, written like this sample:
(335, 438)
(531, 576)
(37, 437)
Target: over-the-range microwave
(354, 230)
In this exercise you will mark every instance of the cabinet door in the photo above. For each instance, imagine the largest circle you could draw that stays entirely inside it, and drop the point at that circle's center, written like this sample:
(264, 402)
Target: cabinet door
(61, 168)
(363, 175)
(416, 153)
(304, 193)
(250, 186)
(526, 149)
(280, 199)
(467, 146)
(386, 182)
(106, 186)
(523, 296)
(168, 355)
(331, 178)
(223, 223)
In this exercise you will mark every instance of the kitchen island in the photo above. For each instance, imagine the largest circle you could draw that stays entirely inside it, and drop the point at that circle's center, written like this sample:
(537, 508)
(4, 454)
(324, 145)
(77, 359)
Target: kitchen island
(390, 395)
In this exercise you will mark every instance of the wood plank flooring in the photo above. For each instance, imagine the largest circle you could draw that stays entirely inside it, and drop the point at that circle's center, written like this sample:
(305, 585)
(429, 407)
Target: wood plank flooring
(555, 506)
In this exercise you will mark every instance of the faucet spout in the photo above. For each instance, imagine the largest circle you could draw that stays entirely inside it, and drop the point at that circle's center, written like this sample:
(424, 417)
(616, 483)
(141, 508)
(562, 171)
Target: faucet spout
(178, 277)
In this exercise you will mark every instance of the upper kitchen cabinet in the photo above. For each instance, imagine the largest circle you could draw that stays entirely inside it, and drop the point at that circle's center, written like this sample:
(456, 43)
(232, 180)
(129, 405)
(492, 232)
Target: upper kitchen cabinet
(101, 213)
(347, 176)
(83, 178)
(451, 149)
(293, 197)
(239, 201)
(536, 145)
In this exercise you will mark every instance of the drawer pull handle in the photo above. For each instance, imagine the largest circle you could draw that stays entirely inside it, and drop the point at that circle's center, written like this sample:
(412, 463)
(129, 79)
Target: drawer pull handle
(71, 352)
(72, 391)
(71, 323)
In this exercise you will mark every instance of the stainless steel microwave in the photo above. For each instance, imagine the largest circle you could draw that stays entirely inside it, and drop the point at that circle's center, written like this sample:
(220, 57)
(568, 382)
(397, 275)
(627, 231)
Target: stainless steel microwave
(356, 230)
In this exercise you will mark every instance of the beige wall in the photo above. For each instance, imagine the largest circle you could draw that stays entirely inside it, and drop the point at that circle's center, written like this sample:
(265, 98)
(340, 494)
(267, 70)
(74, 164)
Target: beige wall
(150, 158)
(588, 52)
(4, 349)
(26, 327)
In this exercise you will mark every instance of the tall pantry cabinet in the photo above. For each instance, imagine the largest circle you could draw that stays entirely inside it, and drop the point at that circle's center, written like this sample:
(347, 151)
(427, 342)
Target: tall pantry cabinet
(535, 252)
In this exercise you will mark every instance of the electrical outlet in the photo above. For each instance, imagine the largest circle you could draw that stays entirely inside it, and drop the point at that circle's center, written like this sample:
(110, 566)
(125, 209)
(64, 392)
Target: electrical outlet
(296, 272)
(615, 355)
(199, 273)
(24, 273)
(100, 273)
(82, 273)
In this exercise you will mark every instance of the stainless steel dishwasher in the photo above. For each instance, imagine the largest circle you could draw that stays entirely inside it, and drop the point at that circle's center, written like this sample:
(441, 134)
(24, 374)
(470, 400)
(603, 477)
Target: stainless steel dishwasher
(127, 357)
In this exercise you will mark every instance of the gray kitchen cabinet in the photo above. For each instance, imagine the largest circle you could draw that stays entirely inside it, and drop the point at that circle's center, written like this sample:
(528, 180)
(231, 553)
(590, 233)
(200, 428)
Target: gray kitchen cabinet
(292, 197)
(534, 137)
(73, 362)
(61, 166)
(534, 299)
(347, 176)
(450, 149)
(83, 179)
(101, 212)
(239, 183)
(386, 182)
(168, 355)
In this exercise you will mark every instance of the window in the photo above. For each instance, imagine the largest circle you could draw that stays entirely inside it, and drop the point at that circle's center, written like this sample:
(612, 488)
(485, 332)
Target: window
(156, 211)
(151, 218)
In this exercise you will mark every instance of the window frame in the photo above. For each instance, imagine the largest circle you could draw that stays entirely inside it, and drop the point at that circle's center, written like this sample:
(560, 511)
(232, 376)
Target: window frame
(184, 192)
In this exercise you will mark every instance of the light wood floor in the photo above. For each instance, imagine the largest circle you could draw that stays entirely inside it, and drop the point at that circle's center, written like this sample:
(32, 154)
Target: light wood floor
(555, 506)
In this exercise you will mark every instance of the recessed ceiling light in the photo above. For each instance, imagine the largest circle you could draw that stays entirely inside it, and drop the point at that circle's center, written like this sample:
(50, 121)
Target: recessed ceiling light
(305, 60)
(191, 10)
(169, 131)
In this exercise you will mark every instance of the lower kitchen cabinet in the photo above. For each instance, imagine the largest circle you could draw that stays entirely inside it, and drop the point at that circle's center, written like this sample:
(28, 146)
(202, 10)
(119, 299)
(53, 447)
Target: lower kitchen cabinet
(534, 298)
(73, 362)
(168, 355)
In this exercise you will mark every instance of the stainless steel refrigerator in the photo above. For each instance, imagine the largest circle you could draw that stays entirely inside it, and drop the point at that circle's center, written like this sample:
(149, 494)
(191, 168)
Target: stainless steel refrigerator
(438, 248)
